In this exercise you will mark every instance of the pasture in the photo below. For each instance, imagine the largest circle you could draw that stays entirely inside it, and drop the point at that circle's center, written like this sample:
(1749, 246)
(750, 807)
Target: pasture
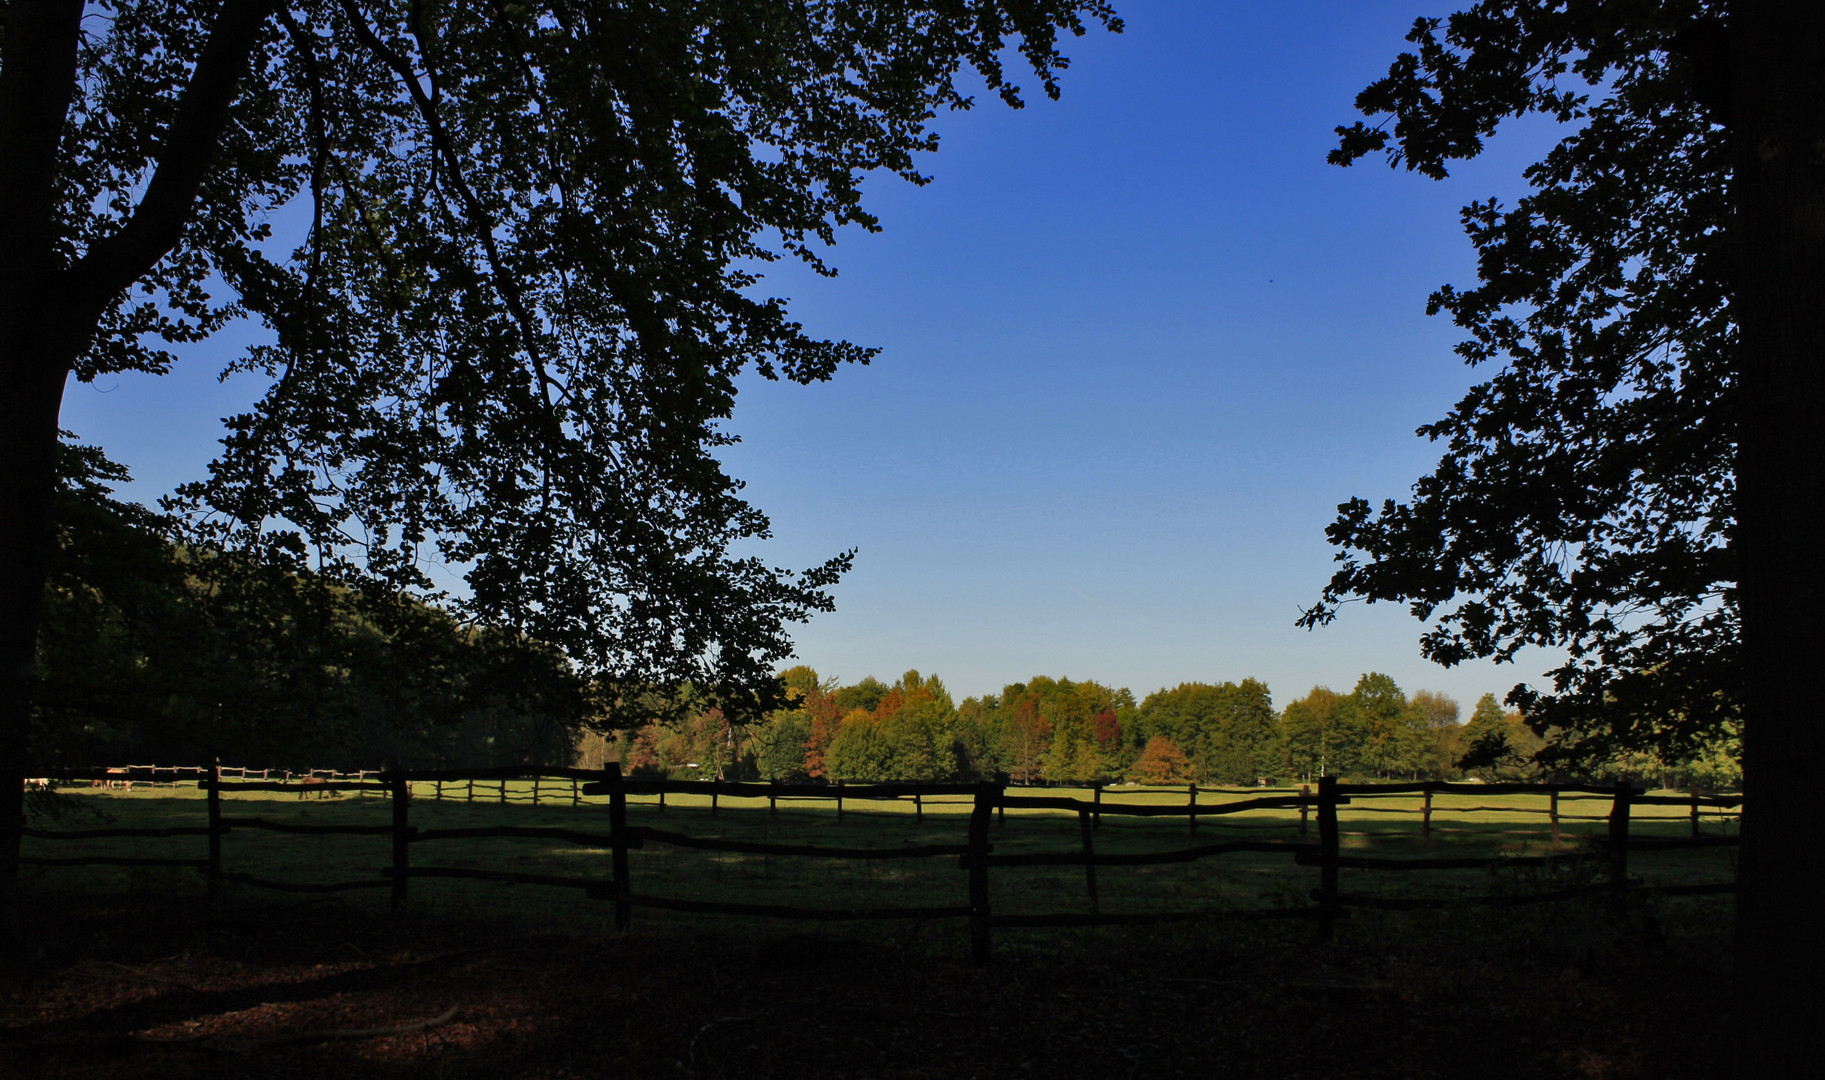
(142, 977)
(1468, 825)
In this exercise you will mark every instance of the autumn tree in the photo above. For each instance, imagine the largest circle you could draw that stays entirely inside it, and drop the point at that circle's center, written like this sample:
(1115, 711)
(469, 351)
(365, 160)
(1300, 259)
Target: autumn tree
(916, 722)
(1161, 762)
(859, 751)
(980, 753)
(1046, 728)
(781, 742)
(825, 716)
(1024, 736)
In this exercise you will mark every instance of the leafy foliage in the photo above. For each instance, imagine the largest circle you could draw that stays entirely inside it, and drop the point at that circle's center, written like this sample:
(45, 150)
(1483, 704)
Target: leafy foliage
(507, 328)
(150, 650)
(1161, 762)
(1063, 731)
(1585, 499)
(1229, 730)
(1497, 745)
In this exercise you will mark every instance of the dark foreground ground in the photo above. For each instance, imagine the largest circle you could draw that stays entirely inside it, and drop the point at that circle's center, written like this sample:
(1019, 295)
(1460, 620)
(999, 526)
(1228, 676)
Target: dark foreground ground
(171, 988)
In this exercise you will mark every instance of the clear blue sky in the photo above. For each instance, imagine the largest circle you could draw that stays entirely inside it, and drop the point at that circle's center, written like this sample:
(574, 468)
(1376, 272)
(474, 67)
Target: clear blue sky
(1137, 345)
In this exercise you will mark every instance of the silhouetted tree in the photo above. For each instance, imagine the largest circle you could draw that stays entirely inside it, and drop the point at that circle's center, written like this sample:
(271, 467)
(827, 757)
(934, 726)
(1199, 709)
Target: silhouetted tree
(1638, 484)
(509, 333)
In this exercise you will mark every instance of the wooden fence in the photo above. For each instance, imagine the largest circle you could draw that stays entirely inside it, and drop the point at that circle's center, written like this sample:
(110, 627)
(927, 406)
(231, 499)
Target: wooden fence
(976, 857)
(172, 775)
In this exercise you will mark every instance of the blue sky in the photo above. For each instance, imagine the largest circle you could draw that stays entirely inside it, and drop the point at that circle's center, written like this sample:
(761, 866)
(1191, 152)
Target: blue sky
(1137, 344)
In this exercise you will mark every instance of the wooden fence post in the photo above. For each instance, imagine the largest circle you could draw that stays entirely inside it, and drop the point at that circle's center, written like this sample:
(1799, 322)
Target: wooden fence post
(918, 807)
(1425, 820)
(980, 816)
(1328, 850)
(839, 800)
(1694, 811)
(402, 837)
(1619, 843)
(471, 795)
(772, 796)
(1191, 815)
(503, 791)
(1096, 797)
(617, 840)
(1552, 810)
(576, 792)
(535, 789)
(1085, 827)
(1305, 807)
(215, 830)
(715, 791)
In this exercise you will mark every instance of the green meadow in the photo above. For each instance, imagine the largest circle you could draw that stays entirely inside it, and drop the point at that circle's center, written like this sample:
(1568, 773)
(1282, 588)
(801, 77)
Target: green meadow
(1239, 882)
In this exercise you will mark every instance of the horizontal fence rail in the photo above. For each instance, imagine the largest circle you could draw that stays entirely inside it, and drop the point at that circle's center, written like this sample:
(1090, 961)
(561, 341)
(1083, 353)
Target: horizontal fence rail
(976, 857)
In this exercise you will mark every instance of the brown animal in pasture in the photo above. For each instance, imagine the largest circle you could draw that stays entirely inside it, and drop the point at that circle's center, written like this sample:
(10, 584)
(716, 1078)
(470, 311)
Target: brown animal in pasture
(308, 784)
(117, 778)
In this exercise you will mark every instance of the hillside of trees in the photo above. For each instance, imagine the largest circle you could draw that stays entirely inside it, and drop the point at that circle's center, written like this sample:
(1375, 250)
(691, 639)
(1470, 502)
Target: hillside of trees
(154, 651)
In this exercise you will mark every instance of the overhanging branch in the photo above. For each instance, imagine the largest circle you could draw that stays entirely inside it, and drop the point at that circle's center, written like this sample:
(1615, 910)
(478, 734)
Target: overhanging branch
(115, 262)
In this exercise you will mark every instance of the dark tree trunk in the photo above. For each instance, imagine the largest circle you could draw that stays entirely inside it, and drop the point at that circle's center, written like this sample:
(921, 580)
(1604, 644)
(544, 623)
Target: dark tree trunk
(49, 309)
(35, 91)
(1778, 52)
(28, 441)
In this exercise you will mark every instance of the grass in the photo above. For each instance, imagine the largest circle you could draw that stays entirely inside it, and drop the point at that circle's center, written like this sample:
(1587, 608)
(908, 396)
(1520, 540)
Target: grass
(1469, 825)
(139, 980)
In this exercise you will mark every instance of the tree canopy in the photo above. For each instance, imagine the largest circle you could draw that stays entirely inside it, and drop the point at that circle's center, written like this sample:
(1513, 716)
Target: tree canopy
(152, 651)
(508, 257)
(1585, 499)
(1638, 483)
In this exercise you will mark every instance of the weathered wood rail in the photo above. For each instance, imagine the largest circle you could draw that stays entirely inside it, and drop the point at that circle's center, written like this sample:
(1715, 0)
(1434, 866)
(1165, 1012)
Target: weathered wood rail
(976, 856)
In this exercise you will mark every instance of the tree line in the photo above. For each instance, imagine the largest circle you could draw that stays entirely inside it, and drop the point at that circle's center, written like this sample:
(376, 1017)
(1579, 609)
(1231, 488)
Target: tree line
(1062, 731)
(152, 648)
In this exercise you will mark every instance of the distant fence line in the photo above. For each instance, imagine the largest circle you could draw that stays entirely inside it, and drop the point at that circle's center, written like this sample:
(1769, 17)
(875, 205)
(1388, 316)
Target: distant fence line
(172, 775)
(976, 857)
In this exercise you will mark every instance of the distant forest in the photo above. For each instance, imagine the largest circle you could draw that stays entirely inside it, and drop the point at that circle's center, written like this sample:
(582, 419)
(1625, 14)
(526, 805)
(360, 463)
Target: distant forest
(1049, 730)
(152, 650)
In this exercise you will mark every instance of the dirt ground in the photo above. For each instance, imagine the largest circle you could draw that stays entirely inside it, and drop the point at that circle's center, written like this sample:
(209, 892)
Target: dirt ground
(172, 988)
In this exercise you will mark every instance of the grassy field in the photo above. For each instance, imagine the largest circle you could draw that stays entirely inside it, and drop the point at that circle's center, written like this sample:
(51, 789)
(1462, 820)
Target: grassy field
(1461, 825)
(136, 978)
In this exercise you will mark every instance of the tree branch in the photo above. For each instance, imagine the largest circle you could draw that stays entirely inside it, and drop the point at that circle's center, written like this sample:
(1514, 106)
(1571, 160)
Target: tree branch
(114, 263)
(479, 224)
